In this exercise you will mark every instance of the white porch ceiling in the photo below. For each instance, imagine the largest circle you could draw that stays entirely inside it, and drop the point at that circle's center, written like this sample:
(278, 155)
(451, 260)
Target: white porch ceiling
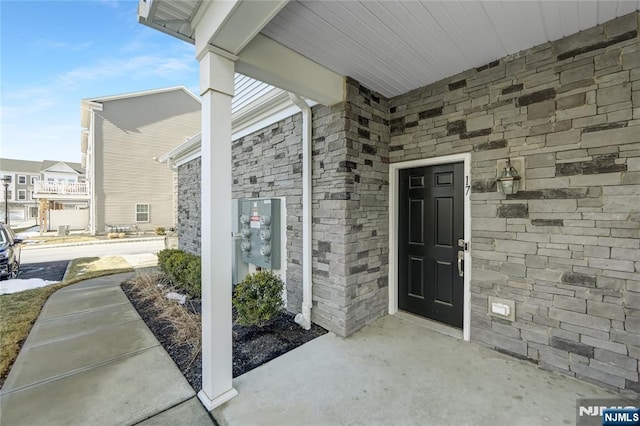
(396, 46)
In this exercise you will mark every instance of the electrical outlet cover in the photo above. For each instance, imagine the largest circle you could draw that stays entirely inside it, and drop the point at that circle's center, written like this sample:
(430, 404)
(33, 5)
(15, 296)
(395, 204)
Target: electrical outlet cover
(506, 302)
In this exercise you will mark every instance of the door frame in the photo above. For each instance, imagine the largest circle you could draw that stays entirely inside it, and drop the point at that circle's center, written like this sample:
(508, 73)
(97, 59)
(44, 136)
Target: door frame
(394, 173)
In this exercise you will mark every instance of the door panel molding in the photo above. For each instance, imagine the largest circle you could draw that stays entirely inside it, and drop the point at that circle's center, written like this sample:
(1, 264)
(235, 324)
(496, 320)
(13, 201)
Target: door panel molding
(394, 171)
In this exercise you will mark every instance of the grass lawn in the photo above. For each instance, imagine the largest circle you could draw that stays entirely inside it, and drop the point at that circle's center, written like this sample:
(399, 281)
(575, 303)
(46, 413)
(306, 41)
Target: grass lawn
(19, 311)
(87, 266)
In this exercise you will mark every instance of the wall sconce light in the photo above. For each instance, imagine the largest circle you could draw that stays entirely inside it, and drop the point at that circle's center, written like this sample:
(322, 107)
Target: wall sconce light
(509, 180)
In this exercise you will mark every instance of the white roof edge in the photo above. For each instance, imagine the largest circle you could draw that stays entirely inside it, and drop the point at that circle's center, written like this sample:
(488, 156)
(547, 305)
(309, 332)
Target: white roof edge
(268, 109)
(88, 104)
(57, 164)
(98, 100)
(146, 16)
(185, 148)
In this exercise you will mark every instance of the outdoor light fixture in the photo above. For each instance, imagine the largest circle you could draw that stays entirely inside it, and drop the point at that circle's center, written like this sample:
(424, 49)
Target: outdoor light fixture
(6, 181)
(509, 180)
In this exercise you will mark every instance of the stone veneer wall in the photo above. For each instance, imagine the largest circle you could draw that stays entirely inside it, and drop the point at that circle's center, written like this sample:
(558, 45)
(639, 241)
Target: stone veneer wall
(350, 204)
(267, 164)
(567, 249)
(350, 211)
(188, 200)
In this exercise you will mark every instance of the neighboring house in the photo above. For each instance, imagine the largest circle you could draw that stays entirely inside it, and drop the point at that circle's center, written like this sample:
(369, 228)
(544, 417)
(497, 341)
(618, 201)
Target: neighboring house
(61, 183)
(129, 189)
(421, 105)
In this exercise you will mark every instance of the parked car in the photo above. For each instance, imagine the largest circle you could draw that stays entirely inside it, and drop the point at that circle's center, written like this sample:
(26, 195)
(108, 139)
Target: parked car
(9, 253)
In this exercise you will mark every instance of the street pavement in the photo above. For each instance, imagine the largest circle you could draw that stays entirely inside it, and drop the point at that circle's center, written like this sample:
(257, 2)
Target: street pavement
(48, 271)
(50, 262)
(60, 252)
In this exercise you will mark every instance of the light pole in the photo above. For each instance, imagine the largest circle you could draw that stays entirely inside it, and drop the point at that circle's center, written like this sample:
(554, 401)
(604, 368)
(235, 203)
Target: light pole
(6, 180)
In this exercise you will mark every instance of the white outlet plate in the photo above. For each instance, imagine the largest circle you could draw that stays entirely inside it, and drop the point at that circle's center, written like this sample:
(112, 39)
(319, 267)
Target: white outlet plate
(510, 304)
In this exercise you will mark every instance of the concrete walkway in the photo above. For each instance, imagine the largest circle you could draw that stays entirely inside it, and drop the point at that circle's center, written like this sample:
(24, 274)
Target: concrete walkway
(396, 372)
(90, 359)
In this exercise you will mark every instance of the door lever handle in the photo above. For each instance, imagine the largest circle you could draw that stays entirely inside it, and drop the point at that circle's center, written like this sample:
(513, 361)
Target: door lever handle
(460, 260)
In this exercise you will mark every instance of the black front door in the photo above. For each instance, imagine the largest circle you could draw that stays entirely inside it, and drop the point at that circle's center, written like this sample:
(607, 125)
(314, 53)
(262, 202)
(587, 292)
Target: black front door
(430, 223)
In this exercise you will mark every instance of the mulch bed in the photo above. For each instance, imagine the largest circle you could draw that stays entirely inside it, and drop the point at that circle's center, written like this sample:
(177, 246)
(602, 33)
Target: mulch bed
(252, 346)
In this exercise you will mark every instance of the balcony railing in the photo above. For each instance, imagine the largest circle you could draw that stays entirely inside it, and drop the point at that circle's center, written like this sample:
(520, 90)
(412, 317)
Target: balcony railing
(60, 188)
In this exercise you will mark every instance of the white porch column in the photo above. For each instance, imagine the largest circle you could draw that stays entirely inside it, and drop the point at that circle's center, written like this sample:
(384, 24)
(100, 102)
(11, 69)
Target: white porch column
(216, 89)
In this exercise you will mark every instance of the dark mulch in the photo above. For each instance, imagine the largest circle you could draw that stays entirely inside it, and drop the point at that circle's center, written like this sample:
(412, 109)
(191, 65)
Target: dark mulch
(252, 346)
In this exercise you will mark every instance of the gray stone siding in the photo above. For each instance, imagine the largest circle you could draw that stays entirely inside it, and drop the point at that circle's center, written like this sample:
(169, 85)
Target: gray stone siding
(189, 206)
(350, 204)
(350, 211)
(567, 248)
(268, 164)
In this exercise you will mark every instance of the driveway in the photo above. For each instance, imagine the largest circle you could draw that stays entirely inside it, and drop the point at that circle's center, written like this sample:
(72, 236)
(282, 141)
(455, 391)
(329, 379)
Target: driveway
(48, 271)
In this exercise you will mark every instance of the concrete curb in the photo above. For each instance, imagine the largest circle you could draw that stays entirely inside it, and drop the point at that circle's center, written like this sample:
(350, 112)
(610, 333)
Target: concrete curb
(66, 271)
(89, 243)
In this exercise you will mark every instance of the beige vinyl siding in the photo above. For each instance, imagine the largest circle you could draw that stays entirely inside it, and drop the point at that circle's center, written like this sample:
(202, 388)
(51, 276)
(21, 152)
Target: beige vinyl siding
(129, 134)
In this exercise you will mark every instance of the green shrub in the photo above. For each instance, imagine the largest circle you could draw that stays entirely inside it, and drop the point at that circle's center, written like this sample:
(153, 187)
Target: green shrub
(183, 269)
(163, 256)
(177, 266)
(258, 298)
(194, 278)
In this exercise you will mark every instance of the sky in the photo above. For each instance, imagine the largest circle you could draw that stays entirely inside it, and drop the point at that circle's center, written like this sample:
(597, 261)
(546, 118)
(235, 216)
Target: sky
(53, 54)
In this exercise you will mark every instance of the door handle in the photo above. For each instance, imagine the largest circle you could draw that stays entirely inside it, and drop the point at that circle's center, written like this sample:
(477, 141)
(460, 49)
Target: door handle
(460, 260)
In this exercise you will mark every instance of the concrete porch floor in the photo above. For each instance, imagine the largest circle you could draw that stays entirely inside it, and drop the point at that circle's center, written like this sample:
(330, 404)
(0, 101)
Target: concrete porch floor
(395, 372)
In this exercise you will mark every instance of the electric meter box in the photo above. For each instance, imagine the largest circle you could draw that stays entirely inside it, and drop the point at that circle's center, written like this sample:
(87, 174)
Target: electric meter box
(260, 232)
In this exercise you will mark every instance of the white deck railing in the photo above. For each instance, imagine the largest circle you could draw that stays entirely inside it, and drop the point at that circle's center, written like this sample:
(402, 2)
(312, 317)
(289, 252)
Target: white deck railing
(60, 188)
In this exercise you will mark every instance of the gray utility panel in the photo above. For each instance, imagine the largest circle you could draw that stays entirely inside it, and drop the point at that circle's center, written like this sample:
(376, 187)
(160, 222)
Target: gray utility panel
(260, 231)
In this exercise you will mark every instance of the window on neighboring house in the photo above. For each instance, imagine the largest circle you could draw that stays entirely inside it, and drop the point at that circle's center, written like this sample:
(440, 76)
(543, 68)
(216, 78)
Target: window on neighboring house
(34, 179)
(22, 179)
(8, 178)
(142, 212)
(9, 195)
(22, 195)
(71, 180)
(52, 180)
(33, 212)
(31, 196)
